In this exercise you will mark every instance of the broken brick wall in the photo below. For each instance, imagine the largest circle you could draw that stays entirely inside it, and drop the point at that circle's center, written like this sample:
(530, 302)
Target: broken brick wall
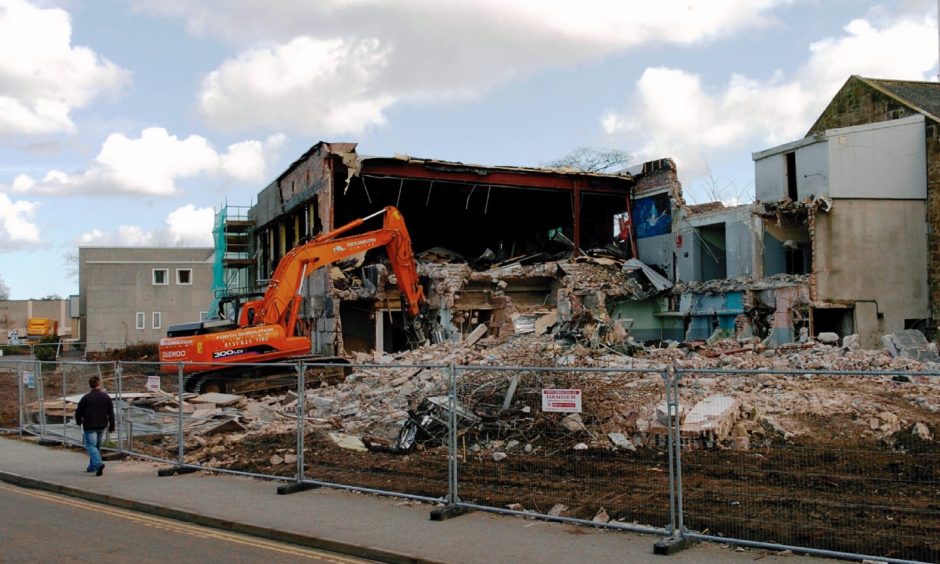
(857, 103)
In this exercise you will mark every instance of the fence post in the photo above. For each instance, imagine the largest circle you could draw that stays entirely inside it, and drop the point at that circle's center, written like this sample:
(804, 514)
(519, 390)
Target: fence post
(181, 460)
(301, 404)
(678, 541)
(65, 436)
(299, 484)
(40, 387)
(452, 508)
(21, 393)
(676, 376)
(670, 401)
(119, 384)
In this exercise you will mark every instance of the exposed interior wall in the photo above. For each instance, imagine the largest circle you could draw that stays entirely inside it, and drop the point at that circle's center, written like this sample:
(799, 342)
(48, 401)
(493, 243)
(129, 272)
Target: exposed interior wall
(873, 251)
(647, 322)
(786, 247)
(884, 160)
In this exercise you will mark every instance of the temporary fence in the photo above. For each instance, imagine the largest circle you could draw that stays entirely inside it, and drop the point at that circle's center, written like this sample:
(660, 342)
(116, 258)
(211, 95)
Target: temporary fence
(9, 398)
(841, 475)
(534, 441)
(681, 453)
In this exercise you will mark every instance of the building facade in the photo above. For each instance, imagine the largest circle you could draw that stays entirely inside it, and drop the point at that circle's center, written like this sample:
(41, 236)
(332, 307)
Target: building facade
(130, 295)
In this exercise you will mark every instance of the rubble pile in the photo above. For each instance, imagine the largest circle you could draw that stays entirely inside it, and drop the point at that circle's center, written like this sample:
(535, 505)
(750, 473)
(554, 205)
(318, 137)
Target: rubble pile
(500, 411)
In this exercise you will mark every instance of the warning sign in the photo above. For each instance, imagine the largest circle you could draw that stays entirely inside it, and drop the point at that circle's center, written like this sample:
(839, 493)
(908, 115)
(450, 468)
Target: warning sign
(153, 383)
(561, 400)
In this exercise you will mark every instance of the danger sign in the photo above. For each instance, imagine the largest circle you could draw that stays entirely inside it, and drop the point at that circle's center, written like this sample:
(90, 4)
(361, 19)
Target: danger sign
(153, 383)
(561, 400)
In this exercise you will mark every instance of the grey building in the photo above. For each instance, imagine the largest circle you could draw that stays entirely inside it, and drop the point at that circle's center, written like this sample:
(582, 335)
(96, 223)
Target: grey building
(132, 294)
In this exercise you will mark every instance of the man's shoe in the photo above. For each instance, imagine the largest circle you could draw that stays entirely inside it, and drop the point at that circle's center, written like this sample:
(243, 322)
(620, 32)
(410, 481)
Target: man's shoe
(100, 470)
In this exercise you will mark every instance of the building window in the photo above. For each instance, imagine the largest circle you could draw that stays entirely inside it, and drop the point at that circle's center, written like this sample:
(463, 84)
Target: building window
(161, 276)
(184, 276)
(203, 315)
(140, 320)
(792, 192)
(156, 320)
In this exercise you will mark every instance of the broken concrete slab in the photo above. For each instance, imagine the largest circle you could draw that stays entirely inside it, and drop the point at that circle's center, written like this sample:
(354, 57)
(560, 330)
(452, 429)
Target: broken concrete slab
(222, 400)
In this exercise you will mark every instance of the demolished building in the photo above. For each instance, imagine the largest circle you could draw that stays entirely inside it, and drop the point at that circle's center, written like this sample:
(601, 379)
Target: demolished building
(515, 249)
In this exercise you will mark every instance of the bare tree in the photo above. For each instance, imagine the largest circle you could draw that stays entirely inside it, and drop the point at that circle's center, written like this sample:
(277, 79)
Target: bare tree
(71, 264)
(724, 190)
(593, 159)
(4, 290)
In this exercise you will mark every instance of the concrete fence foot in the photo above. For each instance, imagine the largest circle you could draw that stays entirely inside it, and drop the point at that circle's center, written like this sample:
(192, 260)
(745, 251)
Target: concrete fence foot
(176, 470)
(448, 512)
(673, 545)
(287, 489)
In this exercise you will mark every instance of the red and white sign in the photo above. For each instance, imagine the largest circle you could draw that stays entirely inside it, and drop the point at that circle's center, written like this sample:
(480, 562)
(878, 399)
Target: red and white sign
(561, 400)
(153, 383)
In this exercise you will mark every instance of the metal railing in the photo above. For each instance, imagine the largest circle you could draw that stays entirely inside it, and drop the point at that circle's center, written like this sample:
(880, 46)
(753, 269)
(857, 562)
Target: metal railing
(838, 464)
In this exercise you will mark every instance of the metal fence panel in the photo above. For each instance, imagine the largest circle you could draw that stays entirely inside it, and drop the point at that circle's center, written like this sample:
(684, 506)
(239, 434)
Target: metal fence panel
(844, 463)
(146, 410)
(608, 464)
(228, 432)
(356, 423)
(9, 397)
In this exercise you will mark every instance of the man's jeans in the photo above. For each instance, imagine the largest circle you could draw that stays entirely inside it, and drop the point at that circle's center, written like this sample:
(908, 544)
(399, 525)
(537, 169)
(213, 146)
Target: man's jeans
(93, 446)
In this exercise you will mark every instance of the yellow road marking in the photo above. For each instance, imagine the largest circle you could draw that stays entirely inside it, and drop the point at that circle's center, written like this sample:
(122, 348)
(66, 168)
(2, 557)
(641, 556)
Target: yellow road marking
(187, 528)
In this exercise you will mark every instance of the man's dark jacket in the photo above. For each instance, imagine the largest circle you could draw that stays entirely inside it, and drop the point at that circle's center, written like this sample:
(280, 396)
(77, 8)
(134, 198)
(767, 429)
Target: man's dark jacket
(95, 411)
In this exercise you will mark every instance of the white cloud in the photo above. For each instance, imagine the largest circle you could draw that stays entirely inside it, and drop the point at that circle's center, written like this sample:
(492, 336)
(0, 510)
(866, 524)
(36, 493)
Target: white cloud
(306, 85)
(43, 77)
(336, 66)
(674, 114)
(187, 226)
(153, 163)
(17, 230)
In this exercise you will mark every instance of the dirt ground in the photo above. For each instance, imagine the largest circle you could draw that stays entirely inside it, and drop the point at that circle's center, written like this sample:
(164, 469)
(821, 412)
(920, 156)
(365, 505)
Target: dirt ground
(863, 499)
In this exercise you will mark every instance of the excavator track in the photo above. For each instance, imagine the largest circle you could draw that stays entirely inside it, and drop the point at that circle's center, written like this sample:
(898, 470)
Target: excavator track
(261, 378)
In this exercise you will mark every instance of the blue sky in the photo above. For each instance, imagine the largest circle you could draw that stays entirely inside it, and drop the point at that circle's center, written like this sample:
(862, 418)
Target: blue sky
(131, 122)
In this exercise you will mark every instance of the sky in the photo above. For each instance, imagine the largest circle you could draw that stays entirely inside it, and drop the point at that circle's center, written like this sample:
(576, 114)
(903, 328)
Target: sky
(133, 122)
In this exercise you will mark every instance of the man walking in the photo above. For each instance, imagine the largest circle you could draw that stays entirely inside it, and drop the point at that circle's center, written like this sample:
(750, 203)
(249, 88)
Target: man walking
(95, 413)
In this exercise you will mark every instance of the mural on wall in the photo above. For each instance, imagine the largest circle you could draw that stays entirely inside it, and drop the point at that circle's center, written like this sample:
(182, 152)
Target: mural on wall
(653, 215)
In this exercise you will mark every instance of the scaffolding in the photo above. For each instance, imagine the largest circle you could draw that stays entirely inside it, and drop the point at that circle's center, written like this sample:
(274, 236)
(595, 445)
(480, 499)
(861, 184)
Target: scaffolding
(230, 271)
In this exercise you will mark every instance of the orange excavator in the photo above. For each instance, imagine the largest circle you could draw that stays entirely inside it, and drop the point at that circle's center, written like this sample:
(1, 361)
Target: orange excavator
(267, 329)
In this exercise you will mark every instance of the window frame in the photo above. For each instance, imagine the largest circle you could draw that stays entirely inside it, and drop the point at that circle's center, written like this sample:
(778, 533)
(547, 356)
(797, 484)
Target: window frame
(156, 320)
(140, 320)
(190, 271)
(166, 276)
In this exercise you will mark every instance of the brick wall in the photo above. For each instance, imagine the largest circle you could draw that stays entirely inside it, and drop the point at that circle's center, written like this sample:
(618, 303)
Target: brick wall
(858, 103)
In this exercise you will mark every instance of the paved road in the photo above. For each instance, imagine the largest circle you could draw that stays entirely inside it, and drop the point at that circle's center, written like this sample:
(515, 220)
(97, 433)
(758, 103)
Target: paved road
(37, 526)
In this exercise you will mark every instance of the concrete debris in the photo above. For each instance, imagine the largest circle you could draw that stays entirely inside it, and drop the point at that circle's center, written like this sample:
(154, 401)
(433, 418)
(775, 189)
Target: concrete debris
(601, 516)
(922, 432)
(573, 423)
(910, 343)
(828, 338)
(347, 441)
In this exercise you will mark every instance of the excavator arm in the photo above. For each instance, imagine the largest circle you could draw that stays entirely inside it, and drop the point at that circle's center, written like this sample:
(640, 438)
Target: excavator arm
(281, 300)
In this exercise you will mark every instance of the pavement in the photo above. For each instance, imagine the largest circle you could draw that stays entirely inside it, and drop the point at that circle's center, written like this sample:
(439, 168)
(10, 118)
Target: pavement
(367, 526)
